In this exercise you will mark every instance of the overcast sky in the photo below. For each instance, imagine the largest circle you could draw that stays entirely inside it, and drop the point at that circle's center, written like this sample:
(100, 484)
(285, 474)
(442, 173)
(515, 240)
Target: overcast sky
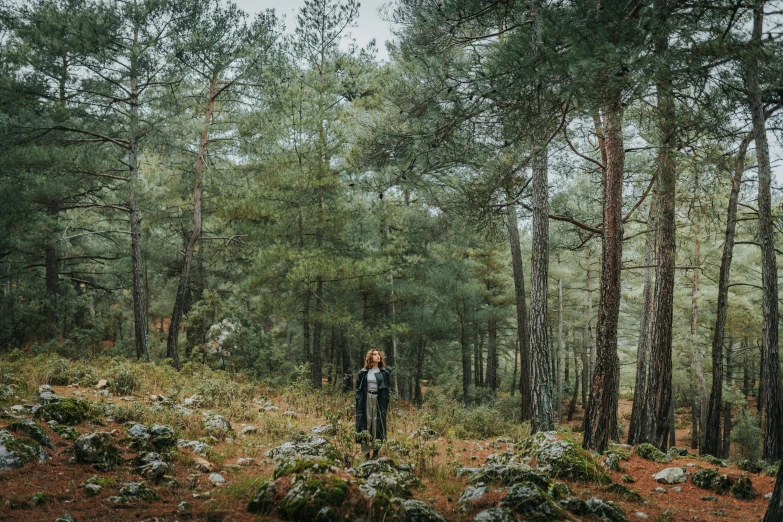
(369, 24)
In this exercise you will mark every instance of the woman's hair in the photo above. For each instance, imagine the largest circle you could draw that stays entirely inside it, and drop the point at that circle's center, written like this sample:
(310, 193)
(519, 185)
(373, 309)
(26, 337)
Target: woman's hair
(368, 359)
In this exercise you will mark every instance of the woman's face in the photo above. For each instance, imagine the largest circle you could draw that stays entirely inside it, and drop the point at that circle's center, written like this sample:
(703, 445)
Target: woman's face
(376, 356)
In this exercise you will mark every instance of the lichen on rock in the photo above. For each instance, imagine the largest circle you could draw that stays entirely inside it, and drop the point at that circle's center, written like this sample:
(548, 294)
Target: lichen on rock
(98, 449)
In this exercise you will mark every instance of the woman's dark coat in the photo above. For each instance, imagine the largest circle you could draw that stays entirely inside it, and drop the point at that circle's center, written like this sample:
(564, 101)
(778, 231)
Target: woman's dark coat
(361, 402)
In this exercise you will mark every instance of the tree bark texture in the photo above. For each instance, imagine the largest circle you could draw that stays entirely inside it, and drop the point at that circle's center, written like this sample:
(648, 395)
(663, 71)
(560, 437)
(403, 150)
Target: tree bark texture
(659, 395)
(465, 346)
(522, 327)
(711, 429)
(176, 317)
(773, 390)
(316, 355)
(601, 413)
(542, 415)
(726, 447)
(636, 425)
(559, 352)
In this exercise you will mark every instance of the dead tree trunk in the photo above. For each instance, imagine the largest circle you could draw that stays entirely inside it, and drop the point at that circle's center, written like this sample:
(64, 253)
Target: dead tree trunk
(601, 413)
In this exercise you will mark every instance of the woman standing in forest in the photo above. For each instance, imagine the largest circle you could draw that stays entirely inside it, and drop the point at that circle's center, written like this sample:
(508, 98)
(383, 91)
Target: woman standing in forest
(372, 400)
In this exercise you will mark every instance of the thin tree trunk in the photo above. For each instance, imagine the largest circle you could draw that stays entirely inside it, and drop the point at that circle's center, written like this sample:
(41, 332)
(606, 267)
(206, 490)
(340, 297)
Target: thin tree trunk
(694, 330)
(727, 405)
(636, 425)
(590, 335)
(317, 367)
(601, 413)
(306, 325)
(585, 370)
(513, 387)
(711, 429)
(659, 378)
(559, 351)
(572, 404)
(694, 415)
(417, 396)
(540, 377)
(522, 326)
(465, 346)
(773, 389)
(176, 317)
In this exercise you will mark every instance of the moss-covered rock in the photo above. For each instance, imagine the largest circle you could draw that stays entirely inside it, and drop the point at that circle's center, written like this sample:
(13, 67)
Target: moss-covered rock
(98, 449)
(722, 483)
(495, 515)
(133, 491)
(263, 502)
(704, 477)
(561, 458)
(311, 493)
(163, 437)
(16, 452)
(66, 432)
(715, 461)
(216, 425)
(625, 491)
(559, 490)
(743, 489)
(529, 501)
(649, 452)
(417, 511)
(575, 505)
(291, 466)
(68, 410)
(676, 452)
(508, 474)
(606, 510)
(32, 430)
(303, 447)
(750, 466)
(612, 462)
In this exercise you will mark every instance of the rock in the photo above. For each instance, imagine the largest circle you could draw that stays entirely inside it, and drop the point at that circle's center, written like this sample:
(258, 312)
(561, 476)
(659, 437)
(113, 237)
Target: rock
(312, 446)
(15, 452)
(17, 408)
(750, 466)
(98, 449)
(383, 474)
(529, 501)
(559, 490)
(101, 384)
(715, 461)
(309, 495)
(564, 459)
(627, 492)
(181, 410)
(509, 474)
(495, 515)
(66, 432)
(691, 465)
(193, 400)
(327, 429)
(154, 470)
(575, 505)
(709, 498)
(768, 496)
(290, 414)
(675, 452)
(246, 461)
(66, 410)
(271, 408)
(66, 518)
(641, 515)
(217, 479)
(203, 465)
(677, 489)
(92, 489)
(722, 483)
(472, 493)
(39, 499)
(32, 430)
(670, 476)
(291, 466)
(660, 490)
(247, 430)
(703, 478)
(649, 452)
(263, 501)
(162, 437)
(132, 491)
(605, 510)
(216, 425)
(183, 506)
(743, 489)
(202, 448)
(417, 511)
(612, 462)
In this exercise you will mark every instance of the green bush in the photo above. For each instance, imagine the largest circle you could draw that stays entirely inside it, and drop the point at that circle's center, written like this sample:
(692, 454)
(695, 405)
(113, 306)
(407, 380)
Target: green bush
(746, 437)
(125, 377)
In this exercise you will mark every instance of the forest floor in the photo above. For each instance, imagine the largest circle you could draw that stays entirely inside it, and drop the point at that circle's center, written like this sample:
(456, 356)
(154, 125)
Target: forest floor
(60, 479)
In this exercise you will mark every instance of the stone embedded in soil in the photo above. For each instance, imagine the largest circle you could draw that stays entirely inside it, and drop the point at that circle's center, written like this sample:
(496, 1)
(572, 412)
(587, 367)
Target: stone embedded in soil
(473, 493)
(575, 505)
(649, 452)
(15, 452)
(217, 479)
(98, 449)
(290, 414)
(154, 470)
(670, 476)
(203, 465)
(66, 518)
(183, 506)
(101, 384)
(704, 477)
(641, 515)
(509, 474)
(660, 490)
(561, 458)
(722, 483)
(529, 501)
(92, 489)
(132, 491)
(495, 515)
(32, 430)
(743, 489)
(605, 510)
(216, 425)
(306, 446)
(309, 495)
(195, 446)
(768, 496)
(65, 410)
(162, 437)
(247, 430)
(326, 429)
(417, 511)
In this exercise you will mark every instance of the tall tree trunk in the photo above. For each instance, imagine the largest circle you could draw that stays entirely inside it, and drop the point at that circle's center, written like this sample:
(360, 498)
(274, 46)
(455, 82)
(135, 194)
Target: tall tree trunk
(347, 371)
(465, 346)
(726, 447)
(773, 400)
(176, 316)
(523, 333)
(659, 378)
(559, 351)
(711, 429)
(572, 404)
(775, 507)
(306, 326)
(694, 415)
(590, 335)
(636, 426)
(522, 327)
(585, 370)
(52, 267)
(694, 329)
(417, 395)
(542, 414)
(137, 263)
(601, 413)
(316, 355)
